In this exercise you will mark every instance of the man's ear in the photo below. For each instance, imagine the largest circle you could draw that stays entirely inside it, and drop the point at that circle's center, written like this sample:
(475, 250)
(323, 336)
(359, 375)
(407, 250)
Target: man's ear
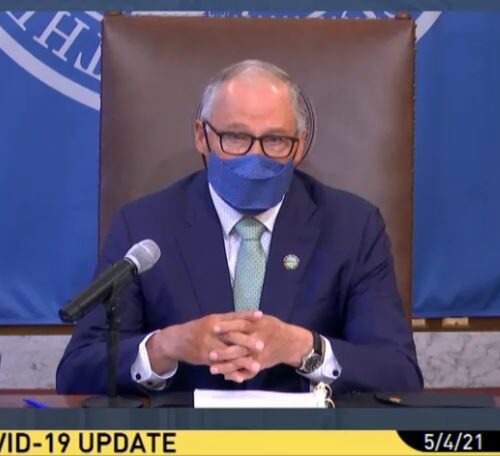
(300, 149)
(200, 141)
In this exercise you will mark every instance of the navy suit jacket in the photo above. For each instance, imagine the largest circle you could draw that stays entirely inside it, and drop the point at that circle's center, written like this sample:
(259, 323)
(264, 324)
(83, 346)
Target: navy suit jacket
(344, 288)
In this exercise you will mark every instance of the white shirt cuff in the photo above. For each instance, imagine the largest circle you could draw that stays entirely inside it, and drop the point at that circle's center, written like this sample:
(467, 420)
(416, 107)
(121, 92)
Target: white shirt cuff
(142, 373)
(329, 371)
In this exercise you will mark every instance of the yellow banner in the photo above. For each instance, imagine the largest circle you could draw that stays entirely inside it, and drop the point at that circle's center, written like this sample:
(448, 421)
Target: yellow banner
(204, 443)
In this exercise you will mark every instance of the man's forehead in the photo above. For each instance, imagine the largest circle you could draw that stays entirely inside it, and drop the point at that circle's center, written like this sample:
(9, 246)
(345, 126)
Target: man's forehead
(260, 101)
(251, 91)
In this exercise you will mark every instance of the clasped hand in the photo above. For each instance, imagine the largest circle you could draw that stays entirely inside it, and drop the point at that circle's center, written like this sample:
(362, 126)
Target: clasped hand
(237, 345)
(251, 344)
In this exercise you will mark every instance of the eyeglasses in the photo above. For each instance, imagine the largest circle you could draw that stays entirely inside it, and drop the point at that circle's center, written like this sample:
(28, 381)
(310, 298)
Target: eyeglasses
(234, 143)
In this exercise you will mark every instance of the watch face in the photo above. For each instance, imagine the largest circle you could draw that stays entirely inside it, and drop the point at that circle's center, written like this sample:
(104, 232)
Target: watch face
(312, 363)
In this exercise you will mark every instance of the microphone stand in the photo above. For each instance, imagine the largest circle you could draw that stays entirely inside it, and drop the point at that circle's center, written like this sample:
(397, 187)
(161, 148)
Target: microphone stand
(112, 400)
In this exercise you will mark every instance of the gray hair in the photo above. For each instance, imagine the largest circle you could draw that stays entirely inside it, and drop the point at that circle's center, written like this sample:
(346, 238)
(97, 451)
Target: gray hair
(298, 103)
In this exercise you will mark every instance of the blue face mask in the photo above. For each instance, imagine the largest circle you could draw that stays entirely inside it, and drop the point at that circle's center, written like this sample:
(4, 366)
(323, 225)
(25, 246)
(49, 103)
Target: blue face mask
(252, 183)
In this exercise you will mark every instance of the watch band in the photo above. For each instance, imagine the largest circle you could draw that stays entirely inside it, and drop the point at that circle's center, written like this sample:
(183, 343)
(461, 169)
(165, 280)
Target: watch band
(315, 357)
(317, 343)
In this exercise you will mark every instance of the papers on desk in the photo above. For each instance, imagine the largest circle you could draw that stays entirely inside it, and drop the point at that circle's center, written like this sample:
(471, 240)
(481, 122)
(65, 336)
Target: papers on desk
(319, 398)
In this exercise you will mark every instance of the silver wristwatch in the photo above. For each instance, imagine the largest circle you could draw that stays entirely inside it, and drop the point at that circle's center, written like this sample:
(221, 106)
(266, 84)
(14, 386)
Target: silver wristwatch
(314, 359)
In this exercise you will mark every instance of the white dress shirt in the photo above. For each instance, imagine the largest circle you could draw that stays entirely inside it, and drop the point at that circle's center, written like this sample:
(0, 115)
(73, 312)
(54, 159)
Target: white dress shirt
(141, 368)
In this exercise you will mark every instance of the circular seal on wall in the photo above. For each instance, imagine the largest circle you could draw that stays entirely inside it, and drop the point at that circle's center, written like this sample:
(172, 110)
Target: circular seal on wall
(62, 49)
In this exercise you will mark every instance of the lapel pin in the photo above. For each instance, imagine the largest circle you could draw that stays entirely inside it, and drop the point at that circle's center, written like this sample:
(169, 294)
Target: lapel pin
(291, 262)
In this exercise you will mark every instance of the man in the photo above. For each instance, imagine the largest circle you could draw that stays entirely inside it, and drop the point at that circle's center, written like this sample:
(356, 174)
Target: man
(267, 280)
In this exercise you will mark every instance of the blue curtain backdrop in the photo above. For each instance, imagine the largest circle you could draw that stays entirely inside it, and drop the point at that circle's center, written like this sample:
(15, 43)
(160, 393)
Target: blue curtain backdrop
(49, 120)
(457, 167)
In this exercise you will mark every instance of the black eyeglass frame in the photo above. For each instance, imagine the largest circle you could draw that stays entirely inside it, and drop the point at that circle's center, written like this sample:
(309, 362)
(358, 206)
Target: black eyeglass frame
(220, 135)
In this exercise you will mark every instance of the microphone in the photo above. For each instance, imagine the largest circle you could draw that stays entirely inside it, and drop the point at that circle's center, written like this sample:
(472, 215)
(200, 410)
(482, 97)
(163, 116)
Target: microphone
(141, 257)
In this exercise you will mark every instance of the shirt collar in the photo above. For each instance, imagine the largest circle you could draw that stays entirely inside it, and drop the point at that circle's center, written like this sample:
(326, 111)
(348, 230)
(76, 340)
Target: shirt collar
(229, 216)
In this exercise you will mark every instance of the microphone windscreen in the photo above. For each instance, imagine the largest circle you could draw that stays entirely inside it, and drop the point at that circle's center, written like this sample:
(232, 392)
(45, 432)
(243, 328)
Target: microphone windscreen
(144, 255)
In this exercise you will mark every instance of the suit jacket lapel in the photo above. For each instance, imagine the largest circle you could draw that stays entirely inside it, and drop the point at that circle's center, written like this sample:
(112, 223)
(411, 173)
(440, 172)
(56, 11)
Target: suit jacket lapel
(295, 233)
(202, 247)
(201, 244)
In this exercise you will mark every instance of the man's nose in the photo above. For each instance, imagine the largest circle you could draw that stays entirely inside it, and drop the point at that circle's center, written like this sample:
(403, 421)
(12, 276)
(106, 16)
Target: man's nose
(256, 148)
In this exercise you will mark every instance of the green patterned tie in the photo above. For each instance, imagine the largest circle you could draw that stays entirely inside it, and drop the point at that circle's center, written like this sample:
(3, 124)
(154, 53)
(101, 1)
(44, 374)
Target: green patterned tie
(250, 265)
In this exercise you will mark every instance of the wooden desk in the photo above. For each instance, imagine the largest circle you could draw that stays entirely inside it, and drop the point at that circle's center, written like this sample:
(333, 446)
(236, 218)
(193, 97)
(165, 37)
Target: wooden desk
(494, 391)
(65, 413)
(14, 398)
